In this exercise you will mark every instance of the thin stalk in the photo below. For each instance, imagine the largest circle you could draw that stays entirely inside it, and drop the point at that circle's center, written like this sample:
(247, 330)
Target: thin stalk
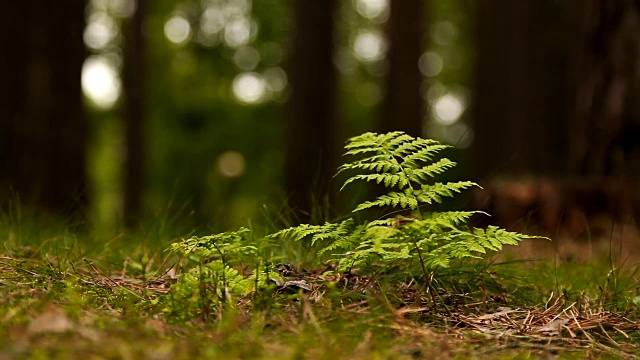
(428, 277)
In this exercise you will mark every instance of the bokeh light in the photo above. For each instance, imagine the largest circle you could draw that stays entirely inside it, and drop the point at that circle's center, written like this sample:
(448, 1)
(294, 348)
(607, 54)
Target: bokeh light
(372, 9)
(444, 33)
(430, 64)
(246, 58)
(100, 81)
(276, 78)
(237, 7)
(177, 30)
(231, 164)
(237, 32)
(211, 24)
(120, 8)
(432, 91)
(100, 31)
(369, 46)
(448, 109)
(249, 88)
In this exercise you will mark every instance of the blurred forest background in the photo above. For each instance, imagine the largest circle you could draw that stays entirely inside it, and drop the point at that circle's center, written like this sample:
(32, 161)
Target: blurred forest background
(215, 112)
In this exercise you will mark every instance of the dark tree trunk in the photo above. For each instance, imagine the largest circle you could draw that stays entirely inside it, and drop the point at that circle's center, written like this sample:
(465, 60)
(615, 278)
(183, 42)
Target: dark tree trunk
(133, 85)
(44, 129)
(516, 122)
(574, 113)
(403, 103)
(605, 132)
(310, 135)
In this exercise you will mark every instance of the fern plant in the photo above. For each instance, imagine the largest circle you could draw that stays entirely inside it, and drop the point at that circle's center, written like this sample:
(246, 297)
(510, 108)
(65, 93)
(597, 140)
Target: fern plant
(405, 166)
(210, 278)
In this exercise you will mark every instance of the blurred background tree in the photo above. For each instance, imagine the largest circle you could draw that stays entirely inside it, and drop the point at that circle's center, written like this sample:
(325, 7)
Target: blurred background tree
(215, 112)
(133, 104)
(402, 101)
(43, 127)
(310, 153)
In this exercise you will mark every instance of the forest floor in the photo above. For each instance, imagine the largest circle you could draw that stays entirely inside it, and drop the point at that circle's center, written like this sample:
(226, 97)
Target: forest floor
(65, 295)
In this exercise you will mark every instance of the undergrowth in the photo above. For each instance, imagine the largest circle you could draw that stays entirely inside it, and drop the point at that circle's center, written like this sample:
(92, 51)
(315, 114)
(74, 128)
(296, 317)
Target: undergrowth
(412, 284)
(406, 166)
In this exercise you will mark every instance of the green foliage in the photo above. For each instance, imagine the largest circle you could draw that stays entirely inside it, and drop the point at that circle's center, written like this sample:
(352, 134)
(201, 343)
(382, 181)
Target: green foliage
(216, 247)
(404, 165)
(400, 161)
(209, 279)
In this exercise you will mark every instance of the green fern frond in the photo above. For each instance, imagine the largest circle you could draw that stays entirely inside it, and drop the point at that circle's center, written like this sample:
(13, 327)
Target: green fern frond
(216, 246)
(382, 222)
(375, 163)
(406, 166)
(391, 222)
(389, 180)
(349, 241)
(432, 222)
(494, 237)
(429, 194)
(398, 160)
(424, 173)
(395, 139)
(403, 200)
(369, 142)
(413, 198)
(328, 231)
(454, 218)
(425, 153)
(298, 232)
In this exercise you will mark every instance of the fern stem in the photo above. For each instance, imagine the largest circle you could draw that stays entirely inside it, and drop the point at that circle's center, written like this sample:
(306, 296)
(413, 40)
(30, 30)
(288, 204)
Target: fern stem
(224, 277)
(424, 268)
(432, 289)
(428, 278)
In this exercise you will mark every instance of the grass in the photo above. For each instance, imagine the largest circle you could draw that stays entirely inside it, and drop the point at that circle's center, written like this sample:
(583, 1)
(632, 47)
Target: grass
(66, 292)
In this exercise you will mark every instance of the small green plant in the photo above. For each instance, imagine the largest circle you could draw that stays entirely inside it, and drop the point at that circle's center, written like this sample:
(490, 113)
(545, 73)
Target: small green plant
(405, 165)
(210, 277)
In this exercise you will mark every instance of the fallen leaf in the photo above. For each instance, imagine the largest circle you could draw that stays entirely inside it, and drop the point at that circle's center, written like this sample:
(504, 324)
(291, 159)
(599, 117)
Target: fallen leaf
(52, 320)
(554, 327)
(501, 311)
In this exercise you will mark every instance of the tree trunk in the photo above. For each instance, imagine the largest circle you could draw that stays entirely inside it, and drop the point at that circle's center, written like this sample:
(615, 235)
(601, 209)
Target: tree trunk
(133, 86)
(44, 126)
(310, 135)
(403, 103)
(517, 127)
(605, 130)
(574, 113)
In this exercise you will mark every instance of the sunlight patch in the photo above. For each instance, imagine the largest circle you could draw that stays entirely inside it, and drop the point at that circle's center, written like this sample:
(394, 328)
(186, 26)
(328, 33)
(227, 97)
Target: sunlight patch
(177, 30)
(249, 88)
(100, 31)
(448, 109)
(369, 46)
(100, 82)
(372, 9)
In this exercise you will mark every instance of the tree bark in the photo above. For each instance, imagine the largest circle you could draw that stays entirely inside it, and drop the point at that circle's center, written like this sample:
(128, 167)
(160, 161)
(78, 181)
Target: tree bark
(133, 106)
(44, 126)
(403, 103)
(310, 134)
(516, 126)
(574, 114)
(605, 127)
